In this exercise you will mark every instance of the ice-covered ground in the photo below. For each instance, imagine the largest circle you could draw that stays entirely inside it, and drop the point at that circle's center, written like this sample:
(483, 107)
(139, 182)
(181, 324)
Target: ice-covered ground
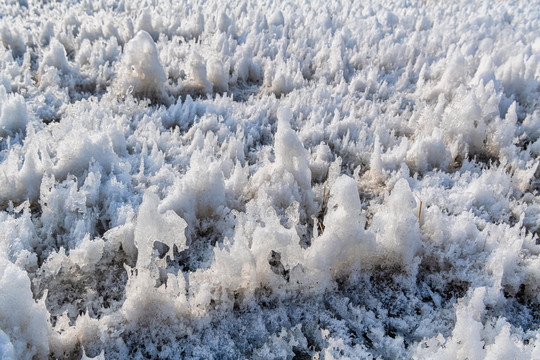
(269, 180)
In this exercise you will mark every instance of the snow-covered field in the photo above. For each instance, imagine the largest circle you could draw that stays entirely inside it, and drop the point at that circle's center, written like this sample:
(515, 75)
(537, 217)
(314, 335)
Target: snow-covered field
(269, 180)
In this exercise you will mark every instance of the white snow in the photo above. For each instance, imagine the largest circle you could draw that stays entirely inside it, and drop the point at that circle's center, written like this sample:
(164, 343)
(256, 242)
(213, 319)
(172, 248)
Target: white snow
(13, 113)
(270, 180)
(141, 72)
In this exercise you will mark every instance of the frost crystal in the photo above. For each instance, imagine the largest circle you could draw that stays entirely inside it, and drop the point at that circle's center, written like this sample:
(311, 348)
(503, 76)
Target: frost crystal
(279, 180)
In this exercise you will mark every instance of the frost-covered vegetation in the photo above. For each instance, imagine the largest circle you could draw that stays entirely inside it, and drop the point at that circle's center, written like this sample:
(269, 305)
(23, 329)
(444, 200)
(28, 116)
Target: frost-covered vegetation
(269, 180)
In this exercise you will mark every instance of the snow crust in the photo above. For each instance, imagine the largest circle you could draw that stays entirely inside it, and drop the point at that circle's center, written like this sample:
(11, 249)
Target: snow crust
(269, 180)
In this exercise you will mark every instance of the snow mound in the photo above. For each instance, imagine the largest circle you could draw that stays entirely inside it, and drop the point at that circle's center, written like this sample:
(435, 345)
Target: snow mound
(22, 320)
(140, 71)
(13, 113)
(152, 227)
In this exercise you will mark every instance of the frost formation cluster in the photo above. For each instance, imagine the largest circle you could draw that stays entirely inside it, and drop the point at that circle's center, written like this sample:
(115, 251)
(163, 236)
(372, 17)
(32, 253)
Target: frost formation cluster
(269, 180)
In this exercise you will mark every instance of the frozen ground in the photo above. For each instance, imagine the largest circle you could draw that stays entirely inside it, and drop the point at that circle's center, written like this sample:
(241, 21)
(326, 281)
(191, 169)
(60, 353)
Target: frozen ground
(267, 180)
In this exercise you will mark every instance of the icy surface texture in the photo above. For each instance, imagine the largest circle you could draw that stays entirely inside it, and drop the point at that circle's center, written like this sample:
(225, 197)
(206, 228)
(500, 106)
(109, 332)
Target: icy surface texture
(269, 180)
(141, 72)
